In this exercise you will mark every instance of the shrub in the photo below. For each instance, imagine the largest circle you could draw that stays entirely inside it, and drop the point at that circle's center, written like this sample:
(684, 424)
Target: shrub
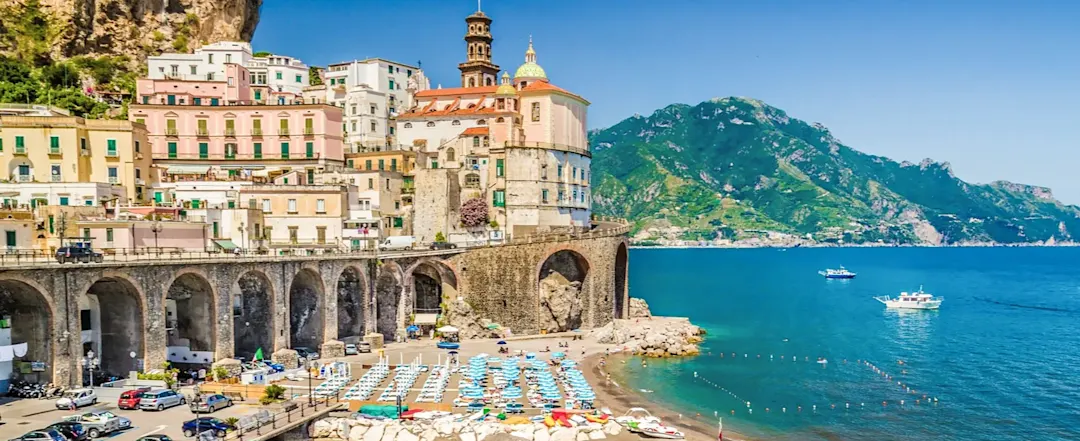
(232, 421)
(439, 237)
(494, 224)
(474, 212)
(220, 373)
(273, 392)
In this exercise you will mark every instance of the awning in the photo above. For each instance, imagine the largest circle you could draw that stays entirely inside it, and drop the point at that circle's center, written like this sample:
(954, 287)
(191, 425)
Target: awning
(425, 319)
(243, 167)
(187, 169)
(226, 244)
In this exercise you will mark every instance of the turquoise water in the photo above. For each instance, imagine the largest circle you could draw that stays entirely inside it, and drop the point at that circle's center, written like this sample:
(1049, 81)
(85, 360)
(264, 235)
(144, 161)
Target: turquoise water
(1002, 356)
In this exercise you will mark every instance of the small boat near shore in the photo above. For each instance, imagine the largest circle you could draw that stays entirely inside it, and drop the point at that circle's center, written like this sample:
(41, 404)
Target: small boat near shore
(657, 430)
(915, 300)
(841, 273)
(634, 417)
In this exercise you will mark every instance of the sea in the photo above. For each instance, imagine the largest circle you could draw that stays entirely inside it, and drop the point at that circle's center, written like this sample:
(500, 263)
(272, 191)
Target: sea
(999, 361)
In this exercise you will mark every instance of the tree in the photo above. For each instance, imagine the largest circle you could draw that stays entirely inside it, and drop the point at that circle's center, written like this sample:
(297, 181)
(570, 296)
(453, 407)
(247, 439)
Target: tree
(474, 212)
(313, 75)
(261, 54)
(60, 76)
(439, 237)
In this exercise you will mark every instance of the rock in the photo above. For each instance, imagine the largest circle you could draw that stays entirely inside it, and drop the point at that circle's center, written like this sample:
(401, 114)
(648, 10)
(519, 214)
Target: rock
(564, 434)
(392, 431)
(357, 433)
(429, 435)
(470, 325)
(639, 308)
(523, 435)
(541, 434)
(286, 357)
(375, 433)
(582, 436)
(444, 427)
(406, 435)
(612, 428)
(231, 366)
(332, 349)
(560, 300)
(321, 429)
(597, 434)
(592, 427)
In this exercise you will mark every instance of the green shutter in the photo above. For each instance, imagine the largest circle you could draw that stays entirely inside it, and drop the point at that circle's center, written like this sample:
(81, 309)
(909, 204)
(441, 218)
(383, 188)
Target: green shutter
(172, 150)
(54, 142)
(284, 150)
(382, 164)
(393, 164)
(111, 148)
(204, 150)
(310, 150)
(258, 150)
(499, 168)
(499, 198)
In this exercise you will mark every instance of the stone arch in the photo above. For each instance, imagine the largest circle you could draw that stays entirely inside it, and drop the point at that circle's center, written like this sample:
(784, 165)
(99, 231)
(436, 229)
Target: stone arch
(306, 310)
(388, 287)
(430, 282)
(563, 288)
(123, 318)
(253, 314)
(352, 290)
(622, 295)
(31, 315)
(190, 319)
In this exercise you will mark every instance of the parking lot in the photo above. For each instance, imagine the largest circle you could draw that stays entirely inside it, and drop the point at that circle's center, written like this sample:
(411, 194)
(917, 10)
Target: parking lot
(26, 414)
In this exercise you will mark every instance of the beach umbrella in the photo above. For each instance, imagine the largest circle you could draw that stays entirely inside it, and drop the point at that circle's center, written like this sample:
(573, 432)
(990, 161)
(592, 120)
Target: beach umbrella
(501, 342)
(412, 328)
(448, 329)
(452, 352)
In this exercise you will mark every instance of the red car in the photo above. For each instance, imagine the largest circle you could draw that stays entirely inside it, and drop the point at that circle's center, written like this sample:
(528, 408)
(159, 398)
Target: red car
(130, 399)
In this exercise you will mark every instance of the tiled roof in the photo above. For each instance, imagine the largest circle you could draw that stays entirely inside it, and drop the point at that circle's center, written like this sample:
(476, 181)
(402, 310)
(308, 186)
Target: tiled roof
(541, 86)
(476, 131)
(483, 90)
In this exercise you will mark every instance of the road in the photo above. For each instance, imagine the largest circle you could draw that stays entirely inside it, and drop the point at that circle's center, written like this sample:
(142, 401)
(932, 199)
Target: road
(26, 414)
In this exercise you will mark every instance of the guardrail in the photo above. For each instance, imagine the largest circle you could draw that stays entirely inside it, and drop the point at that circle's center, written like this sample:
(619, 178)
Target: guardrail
(11, 259)
(262, 422)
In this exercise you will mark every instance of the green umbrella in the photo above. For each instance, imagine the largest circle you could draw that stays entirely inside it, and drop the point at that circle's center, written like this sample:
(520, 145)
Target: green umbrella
(258, 354)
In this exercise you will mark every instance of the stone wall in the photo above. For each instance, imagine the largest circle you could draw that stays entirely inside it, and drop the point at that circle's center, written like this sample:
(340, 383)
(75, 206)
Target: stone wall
(317, 295)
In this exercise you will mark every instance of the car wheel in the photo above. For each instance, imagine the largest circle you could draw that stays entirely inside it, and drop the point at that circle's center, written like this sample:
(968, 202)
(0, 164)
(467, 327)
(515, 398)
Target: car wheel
(61, 260)
(160, 407)
(99, 259)
(189, 433)
(183, 401)
(94, 401)
(219, 433)
(94, 433)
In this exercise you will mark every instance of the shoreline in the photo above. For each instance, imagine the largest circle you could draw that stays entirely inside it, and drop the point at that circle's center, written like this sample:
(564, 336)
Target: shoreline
(619, 398)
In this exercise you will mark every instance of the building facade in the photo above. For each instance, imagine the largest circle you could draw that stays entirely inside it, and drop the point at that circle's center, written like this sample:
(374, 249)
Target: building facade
(520, 144)
(64, 151)
(277, 73)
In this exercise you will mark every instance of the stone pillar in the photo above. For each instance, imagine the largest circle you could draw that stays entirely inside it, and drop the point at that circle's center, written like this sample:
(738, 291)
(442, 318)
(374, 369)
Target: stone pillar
(224, 346)
(287, 358)
(375, 340)
(231, 366)
(332, 349)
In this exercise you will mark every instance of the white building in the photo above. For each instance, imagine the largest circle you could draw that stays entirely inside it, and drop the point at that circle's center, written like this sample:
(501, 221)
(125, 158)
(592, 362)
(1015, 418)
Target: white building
(372, 92)
(375, 206)
(280, 73)
(34, 194)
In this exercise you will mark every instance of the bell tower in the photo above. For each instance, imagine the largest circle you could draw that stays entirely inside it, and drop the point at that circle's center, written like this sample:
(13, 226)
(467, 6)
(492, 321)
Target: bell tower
(478, 70)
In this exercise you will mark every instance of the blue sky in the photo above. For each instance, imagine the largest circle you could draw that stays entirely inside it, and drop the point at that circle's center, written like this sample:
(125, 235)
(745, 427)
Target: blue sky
(991, 86)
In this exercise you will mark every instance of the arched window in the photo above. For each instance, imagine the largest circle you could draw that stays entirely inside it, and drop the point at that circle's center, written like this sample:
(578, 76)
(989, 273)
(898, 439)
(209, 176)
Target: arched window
(480, 50)
(498, 120)
(450, 155)
(486, 142)
(488, 81)
(476, 141)
(472, 180)
(472, 29)
(431, 124)
(472, 82)
(482, 122)
(408, 125)
(456, 123)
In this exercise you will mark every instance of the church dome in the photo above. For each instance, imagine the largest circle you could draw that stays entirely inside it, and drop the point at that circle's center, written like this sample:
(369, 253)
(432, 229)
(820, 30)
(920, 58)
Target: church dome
(530, 70)
(506, 88)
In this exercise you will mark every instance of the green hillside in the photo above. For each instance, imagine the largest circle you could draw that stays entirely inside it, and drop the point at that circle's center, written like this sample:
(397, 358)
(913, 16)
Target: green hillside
(736, 168)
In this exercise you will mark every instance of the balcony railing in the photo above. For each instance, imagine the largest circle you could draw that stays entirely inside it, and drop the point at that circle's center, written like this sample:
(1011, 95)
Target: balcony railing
(111, 154)
(202, 132)
(284, 131)
(308, 131)
(20, 150)
(408, 190)
(237, 156)
(171, 132)
(24, 178)
(56, 178)
(114, 180)
(230, 132)
(256, 132)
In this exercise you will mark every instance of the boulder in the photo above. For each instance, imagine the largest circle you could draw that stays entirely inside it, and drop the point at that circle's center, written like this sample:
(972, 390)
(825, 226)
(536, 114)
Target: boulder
(582, 436)
(467, 436)
(332, 349)
(392, 431)
(612, 428)
(564, 434)
(597, 434)
(541, 434)
(375, 433)
(286, 357)
(321, 429)
(406, 435)
(527, 435)
(429, 435)
(364, 422)
(357, 433)
(639, 308)
(444, 427)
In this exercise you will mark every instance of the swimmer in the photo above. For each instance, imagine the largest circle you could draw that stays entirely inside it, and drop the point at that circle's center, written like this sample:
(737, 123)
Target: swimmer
(785, 340)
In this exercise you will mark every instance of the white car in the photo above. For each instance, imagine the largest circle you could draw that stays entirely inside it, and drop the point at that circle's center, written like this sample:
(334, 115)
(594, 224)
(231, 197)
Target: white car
(80, 397)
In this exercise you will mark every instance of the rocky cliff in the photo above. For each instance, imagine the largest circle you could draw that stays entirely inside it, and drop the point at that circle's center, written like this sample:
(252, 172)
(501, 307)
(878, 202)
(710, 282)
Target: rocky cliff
(652, 337)
(129, 28)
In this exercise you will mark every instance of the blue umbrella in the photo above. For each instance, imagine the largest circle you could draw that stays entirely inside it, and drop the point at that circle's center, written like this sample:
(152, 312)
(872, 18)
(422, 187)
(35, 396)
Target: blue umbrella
(412, 328)
(501, 342)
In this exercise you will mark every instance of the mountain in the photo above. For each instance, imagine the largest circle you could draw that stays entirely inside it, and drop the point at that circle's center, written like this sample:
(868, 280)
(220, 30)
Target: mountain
(736, 168)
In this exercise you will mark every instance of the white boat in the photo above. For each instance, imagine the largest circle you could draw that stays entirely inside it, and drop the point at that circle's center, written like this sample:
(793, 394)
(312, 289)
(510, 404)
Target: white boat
(841, 273)
(635, 416)
(915, 300)
(657, 430)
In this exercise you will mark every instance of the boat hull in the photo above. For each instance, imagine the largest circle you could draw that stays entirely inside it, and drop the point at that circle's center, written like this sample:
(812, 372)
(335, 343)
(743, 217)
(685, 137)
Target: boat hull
(906, 305)
(840, 276)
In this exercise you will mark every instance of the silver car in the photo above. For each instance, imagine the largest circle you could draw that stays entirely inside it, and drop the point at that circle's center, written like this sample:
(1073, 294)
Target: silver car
(161, 399)
(211, 403)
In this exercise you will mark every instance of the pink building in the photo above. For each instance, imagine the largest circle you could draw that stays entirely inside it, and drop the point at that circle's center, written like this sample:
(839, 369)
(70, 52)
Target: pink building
(196, 137)
(235, 89)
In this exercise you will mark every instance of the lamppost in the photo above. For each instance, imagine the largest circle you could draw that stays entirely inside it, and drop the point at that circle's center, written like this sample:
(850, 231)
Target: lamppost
(90, 362)
(156, 228)
(243, 238)
(307, 365)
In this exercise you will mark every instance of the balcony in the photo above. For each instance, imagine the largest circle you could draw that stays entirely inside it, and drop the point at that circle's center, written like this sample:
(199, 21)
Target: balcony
(25, 178)
(202, 132)
(114, 180)
(256, 132)
(112, 154)
(171, 132)
(20, 150)
(138, 155)
(308, 131)
(140, 182)
(231, 133)
(54, 151)
(408, 190)
(229, 156)
(56, 178)
(84, 152)
(284, 131)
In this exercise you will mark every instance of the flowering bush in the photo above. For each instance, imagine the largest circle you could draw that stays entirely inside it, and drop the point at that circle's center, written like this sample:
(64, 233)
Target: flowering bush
(474, 212)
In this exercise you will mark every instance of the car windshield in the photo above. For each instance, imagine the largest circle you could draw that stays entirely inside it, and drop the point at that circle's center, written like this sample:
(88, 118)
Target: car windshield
(103, 414)
(71, 394)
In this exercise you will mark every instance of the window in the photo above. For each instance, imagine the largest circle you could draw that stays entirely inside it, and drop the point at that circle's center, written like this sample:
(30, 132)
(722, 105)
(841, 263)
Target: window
(367, 164)
(498, 198)
(320, 234)
(353, 109)
(258, 150)
(55, 173)
(408, 125)
(284, 150)
(408, 72)
(196, 101)
(354, 126)
(476, 142)
(500, 119)
(320, 206)
(573, 174)
(293, 235)
(350, 163)
(266, 205)
(482, 122)
(391, 84)
(210, 58)
(391, 69)
(455, 123)
(202, 128)
(108, 235)
(267, 230)
(86, 233)
(311, 176)
(63, 200)
(536, 112)
(277, 75)
(373, 107)
(309, 126)
(472, 180)
(499, 168)
(431, 124)
(434, 164)
(230, 127)
(374, 126)
(113, 175)
(292, 205)
(256, 127)
(559, 171)
(283, 127)
(299, 79)
(138, 173)
(309, 150)
(371, 184)
(450, 155)
(204, 150)
(393, 164)
(382, 163)
(172, 150)
(54, 144)
(258, 94)
(544, 196)
(20, 144)
(136, 146)
(194, 69)
(174, 70)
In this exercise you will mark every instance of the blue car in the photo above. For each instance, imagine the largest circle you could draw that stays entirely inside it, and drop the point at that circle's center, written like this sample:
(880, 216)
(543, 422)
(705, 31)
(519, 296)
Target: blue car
(203, 424)
(276, 367)
(447, 345)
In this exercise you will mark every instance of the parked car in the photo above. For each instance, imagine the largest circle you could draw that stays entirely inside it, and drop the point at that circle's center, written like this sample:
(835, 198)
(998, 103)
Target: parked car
(71, 430)
(306, 353)
(80, 397)
(100, 422)
(203, 424)
(41, 435)
(398, 243)
(160, 399)
(350, 349)
(155, 437)
(443, 246)
(364, 347)
(78, 254)
(210, 403)
(129, 399)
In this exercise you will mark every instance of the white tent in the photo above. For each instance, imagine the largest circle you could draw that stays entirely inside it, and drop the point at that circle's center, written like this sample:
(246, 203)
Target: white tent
(448, 330)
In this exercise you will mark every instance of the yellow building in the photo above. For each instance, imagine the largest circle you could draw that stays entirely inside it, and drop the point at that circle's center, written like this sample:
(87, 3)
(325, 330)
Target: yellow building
(403, 161)
(297, 215)
(67, 149)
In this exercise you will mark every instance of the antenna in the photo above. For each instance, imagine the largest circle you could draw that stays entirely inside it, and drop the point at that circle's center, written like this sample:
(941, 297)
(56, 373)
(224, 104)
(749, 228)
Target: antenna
(478, 6)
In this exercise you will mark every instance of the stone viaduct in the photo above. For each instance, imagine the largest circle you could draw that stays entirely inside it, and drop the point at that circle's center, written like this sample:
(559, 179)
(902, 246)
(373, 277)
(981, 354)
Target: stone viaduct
(134, 314)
